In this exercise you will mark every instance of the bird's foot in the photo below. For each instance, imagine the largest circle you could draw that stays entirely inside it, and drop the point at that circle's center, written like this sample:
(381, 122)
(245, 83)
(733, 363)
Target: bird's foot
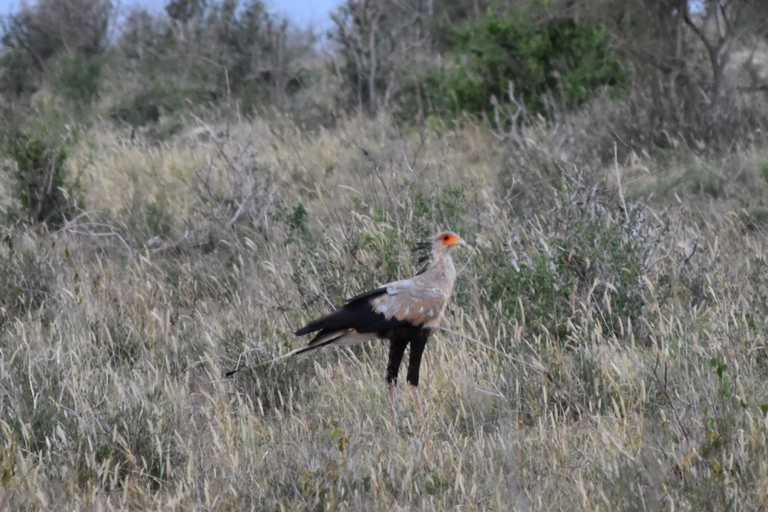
(415, 393)
(392, 412)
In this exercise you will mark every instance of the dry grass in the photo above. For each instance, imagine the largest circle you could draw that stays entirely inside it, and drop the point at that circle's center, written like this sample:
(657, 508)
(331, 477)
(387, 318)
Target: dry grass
(117, 331)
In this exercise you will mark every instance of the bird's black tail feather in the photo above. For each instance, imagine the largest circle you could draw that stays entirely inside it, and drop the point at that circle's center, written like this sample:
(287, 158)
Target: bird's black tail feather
(298, 351)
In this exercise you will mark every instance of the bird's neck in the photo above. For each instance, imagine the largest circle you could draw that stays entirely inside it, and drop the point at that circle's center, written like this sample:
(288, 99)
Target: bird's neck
(443, 271)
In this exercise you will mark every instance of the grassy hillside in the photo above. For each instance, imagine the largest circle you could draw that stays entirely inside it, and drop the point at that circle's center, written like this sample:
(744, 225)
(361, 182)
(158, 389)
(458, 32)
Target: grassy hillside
(605, 349)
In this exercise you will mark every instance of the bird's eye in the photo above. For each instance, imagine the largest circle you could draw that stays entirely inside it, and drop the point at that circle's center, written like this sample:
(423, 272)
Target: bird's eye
(446, 237)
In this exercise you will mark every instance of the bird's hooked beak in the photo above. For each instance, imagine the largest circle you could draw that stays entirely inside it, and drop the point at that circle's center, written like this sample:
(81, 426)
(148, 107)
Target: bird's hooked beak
(457, 241)
(465, 245)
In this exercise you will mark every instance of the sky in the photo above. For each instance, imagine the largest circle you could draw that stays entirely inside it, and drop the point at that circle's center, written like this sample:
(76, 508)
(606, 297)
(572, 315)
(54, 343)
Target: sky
(303, 13)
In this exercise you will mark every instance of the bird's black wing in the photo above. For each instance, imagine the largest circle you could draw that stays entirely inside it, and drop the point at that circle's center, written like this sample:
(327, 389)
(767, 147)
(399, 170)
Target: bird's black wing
(358, 314)
(367, 296)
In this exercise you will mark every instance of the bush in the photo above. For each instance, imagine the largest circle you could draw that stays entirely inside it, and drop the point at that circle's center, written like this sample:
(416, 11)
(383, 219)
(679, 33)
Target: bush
(40, 173)
(579, 266)
(562, 62)
(79, 78)
(160, 98)
(15, 74)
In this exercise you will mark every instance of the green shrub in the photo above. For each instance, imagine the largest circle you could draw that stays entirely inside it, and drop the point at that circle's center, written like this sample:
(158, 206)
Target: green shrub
(79, 78)
(561, 61)
(148, 104)
(579, 266)
(15, 74)
(40, 174)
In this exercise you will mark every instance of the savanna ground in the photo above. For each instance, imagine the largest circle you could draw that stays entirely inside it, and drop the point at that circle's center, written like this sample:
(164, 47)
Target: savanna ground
(605, 348)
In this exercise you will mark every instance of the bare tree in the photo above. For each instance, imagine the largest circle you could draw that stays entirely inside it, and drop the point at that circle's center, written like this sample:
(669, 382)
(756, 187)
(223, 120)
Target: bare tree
(720, 26)
(379, 41)
(665, 40)
(226, 48)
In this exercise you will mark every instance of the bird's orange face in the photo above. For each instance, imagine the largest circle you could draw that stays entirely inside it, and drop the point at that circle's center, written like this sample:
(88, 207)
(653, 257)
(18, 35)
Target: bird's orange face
(449, 239)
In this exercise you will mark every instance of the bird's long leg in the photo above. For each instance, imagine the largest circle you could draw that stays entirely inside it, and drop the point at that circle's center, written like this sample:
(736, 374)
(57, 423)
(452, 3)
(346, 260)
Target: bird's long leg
(396, 350)
(415, 393)
(417, 349)
(392, 410)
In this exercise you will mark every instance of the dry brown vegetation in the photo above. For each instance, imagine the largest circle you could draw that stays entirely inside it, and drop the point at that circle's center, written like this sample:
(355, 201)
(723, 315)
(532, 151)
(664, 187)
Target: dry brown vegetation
(177, 199)
(117, 328)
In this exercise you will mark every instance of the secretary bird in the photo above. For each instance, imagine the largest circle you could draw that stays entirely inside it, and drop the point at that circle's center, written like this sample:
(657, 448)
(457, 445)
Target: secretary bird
(402, 312)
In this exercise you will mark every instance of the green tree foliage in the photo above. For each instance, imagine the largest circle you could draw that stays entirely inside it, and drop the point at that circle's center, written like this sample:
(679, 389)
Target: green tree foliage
(560, 62)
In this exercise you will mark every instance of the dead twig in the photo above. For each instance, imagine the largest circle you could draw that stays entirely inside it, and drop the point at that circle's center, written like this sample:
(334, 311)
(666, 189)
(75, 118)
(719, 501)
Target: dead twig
(688, 256)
